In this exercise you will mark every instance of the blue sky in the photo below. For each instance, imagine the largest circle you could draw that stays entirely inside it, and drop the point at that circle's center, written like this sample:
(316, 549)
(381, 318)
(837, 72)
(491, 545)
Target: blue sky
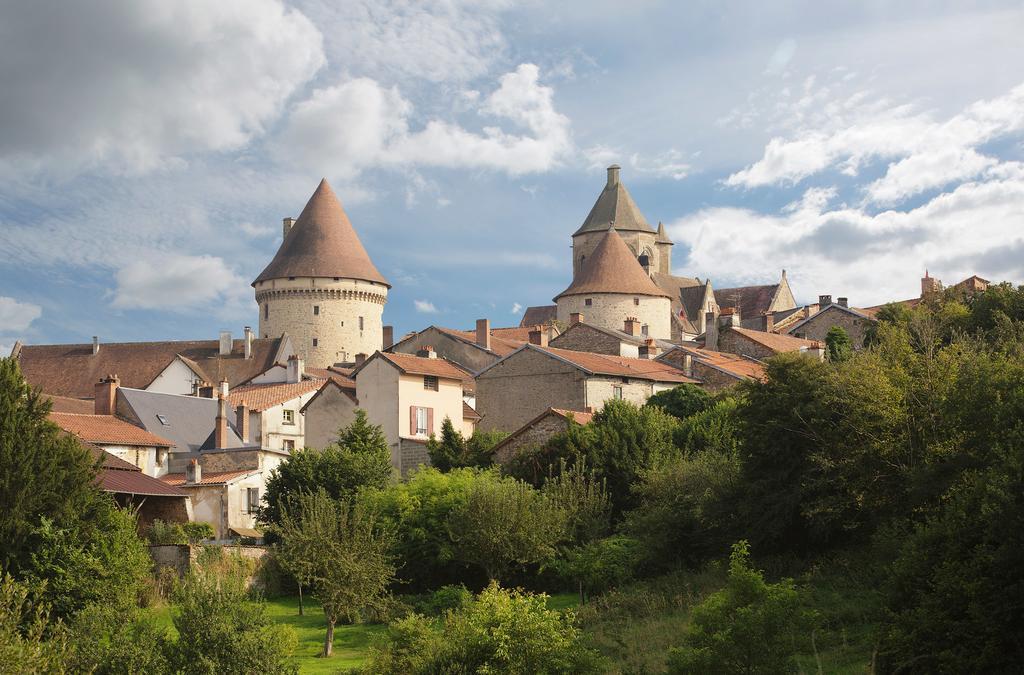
(149, 149)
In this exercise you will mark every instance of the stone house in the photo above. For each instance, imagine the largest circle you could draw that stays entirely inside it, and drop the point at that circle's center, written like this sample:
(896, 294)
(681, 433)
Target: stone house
(147, 452)
(472, 350)
(538, 431)
(228, 500)
(714, 370)
(816, 327)
(727, 335)
(534, 378)
(585, 337)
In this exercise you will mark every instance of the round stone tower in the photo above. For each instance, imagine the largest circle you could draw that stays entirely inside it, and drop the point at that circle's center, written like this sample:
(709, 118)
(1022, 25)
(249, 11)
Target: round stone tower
(321, 288)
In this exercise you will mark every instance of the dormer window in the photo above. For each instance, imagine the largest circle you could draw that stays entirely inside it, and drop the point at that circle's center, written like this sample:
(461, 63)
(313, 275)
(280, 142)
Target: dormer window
(644, 261)
(163, 420)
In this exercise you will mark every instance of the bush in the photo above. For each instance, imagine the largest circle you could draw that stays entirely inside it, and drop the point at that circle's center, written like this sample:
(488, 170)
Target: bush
(196, 532)
(499, 632)
(602, 565)
(108, 640)
(23, 628)
(449, 597)
(748, 627)
(161, 533)
(682, 401)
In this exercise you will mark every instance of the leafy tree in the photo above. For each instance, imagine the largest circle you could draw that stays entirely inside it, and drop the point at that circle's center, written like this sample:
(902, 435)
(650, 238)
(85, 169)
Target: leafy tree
(341, 552)
(24, 647)
(221, 629)
(499, 632)
(44, 473)
(682, 401)
(713, 429)
(108, 640)
(602, 565)
(360, 459)
(453, 450)
(838, 346)
(748, 627)
(584, 502)
(503, 524)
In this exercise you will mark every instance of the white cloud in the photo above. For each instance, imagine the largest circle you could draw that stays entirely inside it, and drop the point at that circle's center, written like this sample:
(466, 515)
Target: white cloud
(516, 308)
(128, 84)
(360, 124)
(257, 231)
(17, 316)
(424, 307)
(666, 164)
(178, 282)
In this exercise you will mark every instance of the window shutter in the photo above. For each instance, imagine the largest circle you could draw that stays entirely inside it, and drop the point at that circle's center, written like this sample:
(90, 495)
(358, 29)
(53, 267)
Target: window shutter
(412, 420)
(430, 421)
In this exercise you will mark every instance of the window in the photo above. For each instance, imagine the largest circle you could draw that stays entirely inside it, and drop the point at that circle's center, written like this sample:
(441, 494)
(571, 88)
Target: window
(252, 499)
(289, 416)
(163, 420)
(360, 323)
(430, 382)
(288, 445)
(636, 301)
(588, 302)
(291, 278)
(421, 421)
(644, 329)
(266, 311)
(337, 278)
(644, 260)
(617, 393)
(315, 342)
(316, 310)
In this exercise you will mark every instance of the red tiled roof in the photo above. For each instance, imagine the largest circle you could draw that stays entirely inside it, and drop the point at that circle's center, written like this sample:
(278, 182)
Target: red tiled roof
(260, 397)
(578, 416)
(612, 268)
(208, 478)
(734, 364)
(66, 404)
(421, 365)
(776, 342)
(342, 376)
(539, 315)
(106, 429)
(121, 477)
(468, 413)
(620, 366)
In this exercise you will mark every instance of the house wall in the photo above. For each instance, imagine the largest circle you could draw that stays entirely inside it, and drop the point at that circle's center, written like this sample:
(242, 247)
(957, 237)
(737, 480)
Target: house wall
(584, 338)
(601, 390)
(818, 326)
(152, 460)
(733, 343)
(445, 402)
(472, 358)
(783, 298)
(176, 378)
(238, 514)
(276, 374)
(609, 310)
(377, 391)
(713, 379)
(524, 385)
(408, 455)
(329, 412)
(208, 505)
(336, 327)
(272, 430)
(536, 435)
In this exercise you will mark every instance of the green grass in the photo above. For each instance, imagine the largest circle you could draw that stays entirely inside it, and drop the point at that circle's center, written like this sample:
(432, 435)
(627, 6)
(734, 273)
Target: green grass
(563, 601)
(351, 643)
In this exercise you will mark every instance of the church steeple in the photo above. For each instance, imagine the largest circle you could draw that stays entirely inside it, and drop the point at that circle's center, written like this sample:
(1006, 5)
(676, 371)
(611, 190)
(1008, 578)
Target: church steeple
(614, 206)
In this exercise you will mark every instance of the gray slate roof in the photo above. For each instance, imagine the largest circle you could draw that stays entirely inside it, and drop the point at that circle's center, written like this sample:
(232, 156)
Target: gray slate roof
(190, 419)
(614, 206)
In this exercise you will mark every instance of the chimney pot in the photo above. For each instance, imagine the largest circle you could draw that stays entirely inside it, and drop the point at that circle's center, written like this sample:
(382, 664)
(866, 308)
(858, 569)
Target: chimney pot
(242, 422)
(426, 352)
(389, 337)
(613, 175)
(632, 326)
(193, 472)
(769, 322)
(248, 342)
(225, 343)
(206, 390)
(575, 318)
(824, 301)
(649, 349)
(539, 337)
(483, 333)
(105, 395)
(95, 345)
(843, 302)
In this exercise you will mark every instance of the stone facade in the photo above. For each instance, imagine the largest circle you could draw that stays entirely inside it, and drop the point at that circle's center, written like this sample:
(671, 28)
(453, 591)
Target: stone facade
(610, 310)
(535, 435)
(344, 316)
(736, 343)
(818, 325)
(328, 411)
(583, 338)
(470, 356)
(522, 386)
(659, 255)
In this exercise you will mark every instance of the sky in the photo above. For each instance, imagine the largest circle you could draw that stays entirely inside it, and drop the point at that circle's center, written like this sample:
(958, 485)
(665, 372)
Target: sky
(150, 148)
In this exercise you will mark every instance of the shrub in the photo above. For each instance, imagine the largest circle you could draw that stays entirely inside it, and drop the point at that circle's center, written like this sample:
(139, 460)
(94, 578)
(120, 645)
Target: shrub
(160, 532)
(602, 565)
(454, 596)
(106, 640)
(23, 628)
(196, 532)
(682, 401)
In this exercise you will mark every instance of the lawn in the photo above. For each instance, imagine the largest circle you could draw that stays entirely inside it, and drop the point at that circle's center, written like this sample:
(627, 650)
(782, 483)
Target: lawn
(350, 642)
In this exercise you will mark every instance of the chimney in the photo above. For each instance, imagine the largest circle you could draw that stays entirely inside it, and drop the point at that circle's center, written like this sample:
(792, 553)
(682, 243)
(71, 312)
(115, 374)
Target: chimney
(105, 395)
(205, 390)
(613, 175)
(193, 473)
(843, 302)
(16, 349)
(389, 337)
(483, 333)
(95, 345)
(824, 301)
(288, 223)
(222, 388)
(649, 349)
(360, 359)
(225, 343)
(711, 331)
(426, 352)
(248, 342)
(687, 365)
(220, 430)
(575, 318)
(730, 317)
(295, 370)
(539, 337)
(242, 422)
(768, 324)
(632, 326)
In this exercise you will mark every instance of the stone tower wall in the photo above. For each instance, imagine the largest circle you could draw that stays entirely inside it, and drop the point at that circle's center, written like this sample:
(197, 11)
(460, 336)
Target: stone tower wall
(609, 310)
(287, 306)
(583, 246)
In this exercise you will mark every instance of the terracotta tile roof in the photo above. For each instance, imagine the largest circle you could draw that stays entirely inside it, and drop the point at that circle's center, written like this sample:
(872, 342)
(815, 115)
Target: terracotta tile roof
(619, 366)
(82, 406)
(614, 206)
(342, 376)
(751, 301)
(612, 268)
(421, 365)
(539, 315)
(734, 364)
(501, 343)
(776, 342)
(577, 416)
(73, 370)
(468, 413)
(322, 243)
(208, 477)
(260, 397)
(107, 429)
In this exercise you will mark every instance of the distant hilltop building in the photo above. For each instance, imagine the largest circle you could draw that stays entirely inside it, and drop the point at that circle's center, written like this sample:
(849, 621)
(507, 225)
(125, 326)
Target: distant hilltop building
(622, 273)
(321, 288)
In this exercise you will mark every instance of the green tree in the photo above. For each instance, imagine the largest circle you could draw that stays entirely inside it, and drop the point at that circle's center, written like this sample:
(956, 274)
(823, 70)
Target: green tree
(24, 625)
(682, 401)
(453, 450)
(44, 473)
(360, 459)
(342, 553)
(838, 345)
(583, 500)
(110, 640)
(602, 565)
(748, 627)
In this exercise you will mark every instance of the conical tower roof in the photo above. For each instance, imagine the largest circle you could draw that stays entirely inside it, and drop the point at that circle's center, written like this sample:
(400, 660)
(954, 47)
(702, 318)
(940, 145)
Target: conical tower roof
(614, 206)
(612, 268)
(322, 243)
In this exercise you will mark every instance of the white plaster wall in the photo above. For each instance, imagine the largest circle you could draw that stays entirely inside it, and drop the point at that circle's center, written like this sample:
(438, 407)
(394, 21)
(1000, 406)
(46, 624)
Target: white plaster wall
(272, 429)
(610, 310)
(144, 457)
(176, 378)
(336, 327)
(377, 391)
(446, 402)
(276, 374)
(331, 411)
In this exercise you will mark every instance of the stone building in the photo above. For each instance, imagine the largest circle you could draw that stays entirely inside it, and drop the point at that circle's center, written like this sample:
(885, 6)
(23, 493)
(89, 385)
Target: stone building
(628, 340)
(728, 335)
(816, 327)
(328, 411)
(322, 288)
(714, 370)
(473, 350)
(538, 431)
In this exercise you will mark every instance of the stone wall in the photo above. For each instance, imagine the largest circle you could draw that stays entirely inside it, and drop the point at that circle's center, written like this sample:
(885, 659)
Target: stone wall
(713, 379)
(536, 435)
(410, 455)
(522, 386)
(610, 310)
(733, 343)
(584, 338)
(818, 326)
(600, 390)
(472, 358)
(336, 327)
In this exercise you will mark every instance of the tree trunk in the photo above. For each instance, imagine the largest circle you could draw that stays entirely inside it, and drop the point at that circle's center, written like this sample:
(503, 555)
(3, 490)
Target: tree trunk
(300, 600)
(329, 640)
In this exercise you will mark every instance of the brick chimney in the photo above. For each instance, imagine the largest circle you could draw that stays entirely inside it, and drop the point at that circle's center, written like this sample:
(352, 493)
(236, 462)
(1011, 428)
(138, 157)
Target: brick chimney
(105, 395)
(483, 333)
(225, 343)
(242, 422)
(768, 322)
(426, 352)
(843, 302)
(711, 331)
(286, 226)
(613, 175)
(220, 429)
(539, 337)
(295, 370)
(193, 473)
(649, 349)
(95, 345)
(730, 317)
(389, 337)
(631, 326)
(575, 318)
(824, 301)
(248, 342)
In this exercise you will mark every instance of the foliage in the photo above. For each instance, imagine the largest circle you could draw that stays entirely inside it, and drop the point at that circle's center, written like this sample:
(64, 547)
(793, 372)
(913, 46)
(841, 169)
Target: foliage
(341, 552)
(499, 632)
(602, 565)
(453, 450)
(443, 599)
(221, 629)
(682, 401)
(44, 473)
(23, 631)
(715, 428)
(107, 640)
(583, 500)
(160, 532)
(360, 459)
(750, 626)
(838, 346)
(505, 523)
